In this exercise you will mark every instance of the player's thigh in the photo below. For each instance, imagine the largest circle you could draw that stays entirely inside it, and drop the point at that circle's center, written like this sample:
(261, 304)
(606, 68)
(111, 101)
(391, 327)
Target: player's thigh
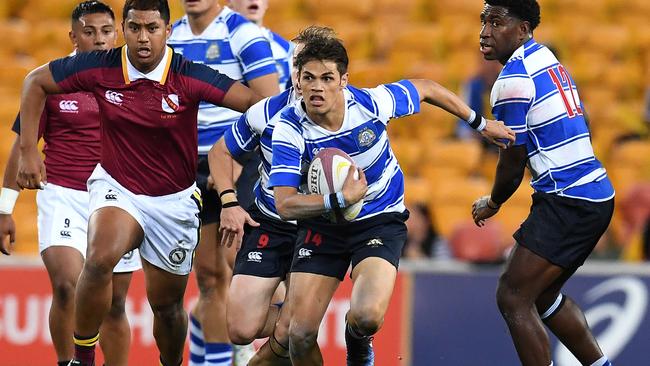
(112, 232)
(374, 280)
(249, 298)
(527, 274)
(309, 297)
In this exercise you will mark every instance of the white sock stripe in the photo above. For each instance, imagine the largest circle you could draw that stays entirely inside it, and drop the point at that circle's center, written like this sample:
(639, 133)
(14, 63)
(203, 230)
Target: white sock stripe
(551, 363)
(553, 307)
(196, 330)
(600, 362)
(196, 349)
(220, 355)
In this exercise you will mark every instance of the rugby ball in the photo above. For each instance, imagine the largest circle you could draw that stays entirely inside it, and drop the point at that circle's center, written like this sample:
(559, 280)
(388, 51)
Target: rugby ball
(326, 175)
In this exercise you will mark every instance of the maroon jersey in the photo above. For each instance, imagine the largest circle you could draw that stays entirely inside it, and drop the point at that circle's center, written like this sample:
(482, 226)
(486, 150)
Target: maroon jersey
(70, 128)
(148, 122)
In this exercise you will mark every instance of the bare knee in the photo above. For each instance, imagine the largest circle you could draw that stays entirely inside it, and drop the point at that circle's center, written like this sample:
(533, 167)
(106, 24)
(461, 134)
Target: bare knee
(63, 290)
(212, 277)
(242, 334)
(366, 320)
(509, 297)
(99, 269)
(168, 313)
(301, 339)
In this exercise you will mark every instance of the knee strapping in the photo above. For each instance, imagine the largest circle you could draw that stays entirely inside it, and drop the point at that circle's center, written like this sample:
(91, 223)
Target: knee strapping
(554, 308)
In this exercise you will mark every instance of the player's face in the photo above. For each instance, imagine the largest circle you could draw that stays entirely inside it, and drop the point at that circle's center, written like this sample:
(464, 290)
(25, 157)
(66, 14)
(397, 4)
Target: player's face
(501, 34)
(146, 35)
(321, 86)
(198, 7)
(93, 32)
(253, 10)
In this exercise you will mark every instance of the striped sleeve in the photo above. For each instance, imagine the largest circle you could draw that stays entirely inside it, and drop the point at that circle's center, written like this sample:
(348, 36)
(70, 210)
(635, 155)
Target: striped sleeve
(511, 99)
(288, 147)
(79, 72)
(244, 135)
(252, 50)
(204, 83)
(395, 100)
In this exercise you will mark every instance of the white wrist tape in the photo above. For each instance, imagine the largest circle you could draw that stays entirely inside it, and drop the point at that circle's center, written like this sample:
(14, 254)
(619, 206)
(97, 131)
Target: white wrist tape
(8, 199)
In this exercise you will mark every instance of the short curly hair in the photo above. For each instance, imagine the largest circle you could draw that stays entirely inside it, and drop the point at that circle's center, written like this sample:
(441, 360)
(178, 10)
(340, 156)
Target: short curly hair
(526, 10)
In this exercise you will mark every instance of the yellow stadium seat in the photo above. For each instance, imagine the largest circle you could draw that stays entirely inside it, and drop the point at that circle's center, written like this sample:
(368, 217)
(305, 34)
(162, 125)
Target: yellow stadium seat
(634, 155)
(461, 155)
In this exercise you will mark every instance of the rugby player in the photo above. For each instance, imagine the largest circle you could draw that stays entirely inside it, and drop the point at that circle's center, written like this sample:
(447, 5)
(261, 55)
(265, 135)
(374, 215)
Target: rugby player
(217, 36)
(573, 200)
(142, 193)
(70, 127)
(333, 114)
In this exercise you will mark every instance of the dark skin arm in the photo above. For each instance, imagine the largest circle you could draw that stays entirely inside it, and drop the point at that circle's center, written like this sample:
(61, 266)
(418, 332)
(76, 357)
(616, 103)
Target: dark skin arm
(7, 225)
(37, 86)
(239, 98)
(510, 172)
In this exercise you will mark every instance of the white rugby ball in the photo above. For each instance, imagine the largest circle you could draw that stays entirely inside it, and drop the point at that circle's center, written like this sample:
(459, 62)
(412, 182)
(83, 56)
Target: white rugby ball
(326, 175)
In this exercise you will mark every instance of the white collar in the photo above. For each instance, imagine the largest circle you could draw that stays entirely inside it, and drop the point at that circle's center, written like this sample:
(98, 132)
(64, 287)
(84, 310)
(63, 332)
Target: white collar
(158, 74)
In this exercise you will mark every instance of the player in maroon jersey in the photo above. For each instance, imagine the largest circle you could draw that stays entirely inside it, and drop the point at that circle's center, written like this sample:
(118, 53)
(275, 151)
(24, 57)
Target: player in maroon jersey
(143, 193)
(70, 128)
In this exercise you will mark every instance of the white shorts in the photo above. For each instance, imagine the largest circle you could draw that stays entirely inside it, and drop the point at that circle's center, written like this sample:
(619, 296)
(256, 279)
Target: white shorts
(63, 221)
(170, 223)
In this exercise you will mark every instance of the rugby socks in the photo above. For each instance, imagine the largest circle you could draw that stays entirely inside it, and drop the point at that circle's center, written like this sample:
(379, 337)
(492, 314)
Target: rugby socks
(603, 361)
(84, 348)
(197, 345)
(63, 363)
(218, 354)
(353, 332)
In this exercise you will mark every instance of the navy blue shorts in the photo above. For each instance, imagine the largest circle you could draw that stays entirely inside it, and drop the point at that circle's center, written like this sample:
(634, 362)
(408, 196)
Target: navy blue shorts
(267, 250)
(564, 230)
(328, 249)
(211, 202)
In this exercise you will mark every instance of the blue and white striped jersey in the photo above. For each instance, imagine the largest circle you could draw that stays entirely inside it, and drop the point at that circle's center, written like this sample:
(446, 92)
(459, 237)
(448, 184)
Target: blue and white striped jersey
(283, 56)
(535, 96)
(363, 136)
(233, 45)
(253, 129)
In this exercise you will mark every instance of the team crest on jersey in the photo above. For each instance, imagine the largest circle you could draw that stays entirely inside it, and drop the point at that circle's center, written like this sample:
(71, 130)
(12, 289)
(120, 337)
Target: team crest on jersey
(213, 51)
(366, 137)
(170, 103)
(177, 256)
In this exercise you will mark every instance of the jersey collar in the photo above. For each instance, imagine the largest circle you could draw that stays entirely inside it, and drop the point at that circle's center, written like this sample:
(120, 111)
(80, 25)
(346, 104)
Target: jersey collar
(159, 74)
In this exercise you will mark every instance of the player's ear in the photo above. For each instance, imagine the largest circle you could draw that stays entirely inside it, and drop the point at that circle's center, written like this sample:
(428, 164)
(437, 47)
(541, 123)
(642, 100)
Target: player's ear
(168, 31)
(73, 39)
(344, 80)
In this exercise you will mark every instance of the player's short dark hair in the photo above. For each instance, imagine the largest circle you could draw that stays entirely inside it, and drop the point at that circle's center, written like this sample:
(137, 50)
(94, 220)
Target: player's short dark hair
(161, 5)
(314, 32)
(324, 49)
(526, 10)
(91, 7)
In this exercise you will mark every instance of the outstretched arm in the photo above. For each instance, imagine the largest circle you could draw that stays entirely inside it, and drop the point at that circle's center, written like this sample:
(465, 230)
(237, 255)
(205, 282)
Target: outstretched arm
(510, 172)
(38, 84)
(433, 93)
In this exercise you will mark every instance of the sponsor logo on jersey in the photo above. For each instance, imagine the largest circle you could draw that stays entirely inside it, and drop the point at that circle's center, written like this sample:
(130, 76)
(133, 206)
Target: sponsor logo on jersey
(170, 103)
(177, 256)
(304, 253)
(65, 234)
(114, 97)
(255, 257)
(68, 106)
(366, 137)
(213, 51)
(376, 242)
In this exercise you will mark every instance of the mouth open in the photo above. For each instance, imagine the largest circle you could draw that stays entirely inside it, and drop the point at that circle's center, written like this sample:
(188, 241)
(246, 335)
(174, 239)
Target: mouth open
(485, 48)
(253, 8)
(144, 52)
(316, 100)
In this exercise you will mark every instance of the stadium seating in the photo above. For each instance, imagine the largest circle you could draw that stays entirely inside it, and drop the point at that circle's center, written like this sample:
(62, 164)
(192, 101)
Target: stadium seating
(605, 45)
